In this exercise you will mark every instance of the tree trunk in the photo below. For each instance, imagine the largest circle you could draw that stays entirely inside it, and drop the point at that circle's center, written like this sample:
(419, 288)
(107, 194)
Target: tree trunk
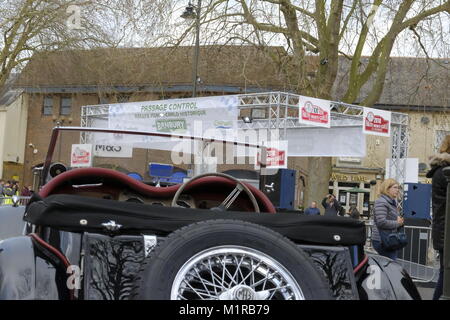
(319, 173)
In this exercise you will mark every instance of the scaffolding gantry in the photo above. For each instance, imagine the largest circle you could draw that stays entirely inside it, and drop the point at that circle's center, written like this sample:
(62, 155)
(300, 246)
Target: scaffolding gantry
(280, 111)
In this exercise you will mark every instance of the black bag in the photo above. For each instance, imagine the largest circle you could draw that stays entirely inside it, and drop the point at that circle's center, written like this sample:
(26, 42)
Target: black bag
(393, 240)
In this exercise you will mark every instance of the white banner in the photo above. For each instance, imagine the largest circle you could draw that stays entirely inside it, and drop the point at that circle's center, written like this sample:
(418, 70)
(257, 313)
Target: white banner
(193, 116)
(81, 155)
(310, 142)
(315, 112)
(111, 151)
(411, 170)
(323, 142)
(377, 122)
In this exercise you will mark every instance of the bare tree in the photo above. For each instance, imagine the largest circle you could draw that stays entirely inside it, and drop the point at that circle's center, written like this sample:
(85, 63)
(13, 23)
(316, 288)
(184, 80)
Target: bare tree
(28, 26)
(317, 34)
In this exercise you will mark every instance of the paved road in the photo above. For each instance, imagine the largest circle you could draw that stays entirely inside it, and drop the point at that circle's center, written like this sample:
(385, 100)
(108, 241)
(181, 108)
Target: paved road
(426, 290)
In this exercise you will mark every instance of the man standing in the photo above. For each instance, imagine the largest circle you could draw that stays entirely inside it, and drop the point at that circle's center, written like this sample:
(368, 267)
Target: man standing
(332, 206)
(312, 209)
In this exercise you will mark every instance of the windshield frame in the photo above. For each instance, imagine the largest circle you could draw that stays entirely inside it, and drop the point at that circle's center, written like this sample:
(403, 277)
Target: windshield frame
(56, 130)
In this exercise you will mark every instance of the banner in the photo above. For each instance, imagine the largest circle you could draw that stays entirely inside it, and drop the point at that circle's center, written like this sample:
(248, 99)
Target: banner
(276, 155)
(315, 112)
(324, 142)
(81, 155)
(410, 168)
(193, 116)
(377, 122)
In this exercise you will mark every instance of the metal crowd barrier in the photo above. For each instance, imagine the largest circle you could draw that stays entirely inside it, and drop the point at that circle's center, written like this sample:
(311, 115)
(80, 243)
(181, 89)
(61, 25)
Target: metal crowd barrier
(419, 258)
(8, 201)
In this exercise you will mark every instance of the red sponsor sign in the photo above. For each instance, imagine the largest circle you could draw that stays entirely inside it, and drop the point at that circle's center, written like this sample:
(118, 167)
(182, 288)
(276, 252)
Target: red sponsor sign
(80, 157)
(314, 113)
(275, 158)
(376, 123)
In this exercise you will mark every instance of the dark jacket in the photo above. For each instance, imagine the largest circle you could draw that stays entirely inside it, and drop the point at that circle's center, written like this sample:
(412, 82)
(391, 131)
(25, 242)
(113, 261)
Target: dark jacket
(332, 210)
(26, 192)
(438, 196)
(354, 213)
(385, 216)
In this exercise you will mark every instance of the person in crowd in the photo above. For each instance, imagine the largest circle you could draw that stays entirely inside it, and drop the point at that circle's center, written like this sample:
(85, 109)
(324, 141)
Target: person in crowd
(26, 191)
(15, 187)
(2, 184)
(353, 212)
(386, 216)
(438, 199)
(8, 192)
(312, 209)
(332, 206)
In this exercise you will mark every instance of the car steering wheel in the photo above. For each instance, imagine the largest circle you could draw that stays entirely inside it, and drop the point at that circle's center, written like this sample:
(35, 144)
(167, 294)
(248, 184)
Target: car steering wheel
(228, 200)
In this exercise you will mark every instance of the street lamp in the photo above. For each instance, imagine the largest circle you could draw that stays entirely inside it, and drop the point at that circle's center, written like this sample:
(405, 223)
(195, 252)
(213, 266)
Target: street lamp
(190, 14)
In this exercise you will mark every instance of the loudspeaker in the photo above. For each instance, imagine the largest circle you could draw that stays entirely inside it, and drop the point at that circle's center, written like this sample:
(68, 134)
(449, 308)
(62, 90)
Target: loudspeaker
(280, 188)
(417, 200)
(56, 169)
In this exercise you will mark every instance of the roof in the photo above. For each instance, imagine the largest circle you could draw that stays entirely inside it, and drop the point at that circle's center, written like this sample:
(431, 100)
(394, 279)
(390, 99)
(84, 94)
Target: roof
(224, 65)
(409, 81)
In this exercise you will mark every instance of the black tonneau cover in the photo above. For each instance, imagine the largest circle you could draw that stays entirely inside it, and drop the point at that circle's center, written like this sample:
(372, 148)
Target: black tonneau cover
(65, 212)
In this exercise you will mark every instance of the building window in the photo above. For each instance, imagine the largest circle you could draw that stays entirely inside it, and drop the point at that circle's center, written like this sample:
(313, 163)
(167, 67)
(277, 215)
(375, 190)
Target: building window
(66, 106)
(47, 108)
(104, 99)
(123, 97)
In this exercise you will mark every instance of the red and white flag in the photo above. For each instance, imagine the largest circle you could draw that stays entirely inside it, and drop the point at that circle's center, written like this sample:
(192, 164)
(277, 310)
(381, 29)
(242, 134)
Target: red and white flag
(316, 112)
(377, 122)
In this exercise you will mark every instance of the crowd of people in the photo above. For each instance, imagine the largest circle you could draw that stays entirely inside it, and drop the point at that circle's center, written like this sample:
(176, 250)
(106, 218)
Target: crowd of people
(332, 208)
(9, 188)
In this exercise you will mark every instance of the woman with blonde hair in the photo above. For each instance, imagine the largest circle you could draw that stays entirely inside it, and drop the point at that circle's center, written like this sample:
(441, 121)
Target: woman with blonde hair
(438, 199)
(386, 216)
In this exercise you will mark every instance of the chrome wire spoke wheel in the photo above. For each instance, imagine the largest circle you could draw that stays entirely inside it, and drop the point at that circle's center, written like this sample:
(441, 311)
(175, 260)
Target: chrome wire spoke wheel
(234, 273)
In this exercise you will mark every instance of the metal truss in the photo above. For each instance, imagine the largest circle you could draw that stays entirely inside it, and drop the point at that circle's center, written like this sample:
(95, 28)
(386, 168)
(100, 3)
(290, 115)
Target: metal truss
(281, 112)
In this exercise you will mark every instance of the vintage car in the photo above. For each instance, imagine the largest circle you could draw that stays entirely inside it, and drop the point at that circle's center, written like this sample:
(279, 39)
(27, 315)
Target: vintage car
(97, 232)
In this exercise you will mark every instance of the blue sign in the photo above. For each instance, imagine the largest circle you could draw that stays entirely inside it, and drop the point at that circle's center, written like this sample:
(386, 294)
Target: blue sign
(160, 170)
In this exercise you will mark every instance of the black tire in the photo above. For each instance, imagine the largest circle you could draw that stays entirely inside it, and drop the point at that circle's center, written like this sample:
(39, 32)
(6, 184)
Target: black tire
(160, 268)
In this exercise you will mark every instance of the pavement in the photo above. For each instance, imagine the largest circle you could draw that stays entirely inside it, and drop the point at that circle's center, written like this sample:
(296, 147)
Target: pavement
(426, 289)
